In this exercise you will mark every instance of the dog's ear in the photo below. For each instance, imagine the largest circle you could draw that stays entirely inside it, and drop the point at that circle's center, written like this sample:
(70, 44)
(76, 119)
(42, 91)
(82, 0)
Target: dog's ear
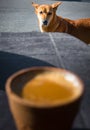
(55, 5)
(35, 5)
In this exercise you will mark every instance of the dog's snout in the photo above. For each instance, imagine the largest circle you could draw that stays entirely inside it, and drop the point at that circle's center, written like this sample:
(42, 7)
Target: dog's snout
(45, 22)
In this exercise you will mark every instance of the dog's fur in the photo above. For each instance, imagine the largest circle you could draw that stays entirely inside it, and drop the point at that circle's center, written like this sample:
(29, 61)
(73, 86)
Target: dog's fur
(50, 22)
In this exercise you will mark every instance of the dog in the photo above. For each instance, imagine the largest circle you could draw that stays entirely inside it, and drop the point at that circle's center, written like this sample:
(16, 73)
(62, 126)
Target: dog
(50, 22)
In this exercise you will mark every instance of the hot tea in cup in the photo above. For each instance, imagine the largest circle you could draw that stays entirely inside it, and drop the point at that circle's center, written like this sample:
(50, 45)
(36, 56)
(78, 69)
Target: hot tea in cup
(50, 88)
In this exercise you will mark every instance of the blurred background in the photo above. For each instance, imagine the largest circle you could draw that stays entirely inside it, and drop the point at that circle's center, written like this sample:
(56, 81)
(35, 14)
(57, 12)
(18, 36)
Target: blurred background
(19, 16)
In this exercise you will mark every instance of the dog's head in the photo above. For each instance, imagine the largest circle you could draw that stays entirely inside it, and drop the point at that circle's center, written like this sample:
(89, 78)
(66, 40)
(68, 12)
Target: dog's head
(45, 13)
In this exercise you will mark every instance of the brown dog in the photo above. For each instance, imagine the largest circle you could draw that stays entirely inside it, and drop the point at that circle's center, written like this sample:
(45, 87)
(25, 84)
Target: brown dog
(50, 22)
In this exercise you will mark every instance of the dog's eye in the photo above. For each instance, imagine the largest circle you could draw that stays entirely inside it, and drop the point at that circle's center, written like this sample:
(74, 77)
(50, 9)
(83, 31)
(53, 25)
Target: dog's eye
(49, 13)
(40, 12)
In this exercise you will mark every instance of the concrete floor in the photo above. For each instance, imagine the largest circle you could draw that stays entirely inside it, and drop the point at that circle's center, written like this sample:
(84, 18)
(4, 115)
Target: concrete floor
(19, 16)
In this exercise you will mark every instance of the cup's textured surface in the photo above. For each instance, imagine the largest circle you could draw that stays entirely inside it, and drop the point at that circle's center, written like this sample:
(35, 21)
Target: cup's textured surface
(33, 116)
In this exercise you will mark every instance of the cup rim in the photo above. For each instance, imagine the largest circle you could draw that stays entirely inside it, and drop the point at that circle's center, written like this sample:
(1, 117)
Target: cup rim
(26, 102)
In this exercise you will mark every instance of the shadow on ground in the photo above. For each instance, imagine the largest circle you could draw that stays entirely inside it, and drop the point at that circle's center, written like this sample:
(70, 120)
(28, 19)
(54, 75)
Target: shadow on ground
(10, 63)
